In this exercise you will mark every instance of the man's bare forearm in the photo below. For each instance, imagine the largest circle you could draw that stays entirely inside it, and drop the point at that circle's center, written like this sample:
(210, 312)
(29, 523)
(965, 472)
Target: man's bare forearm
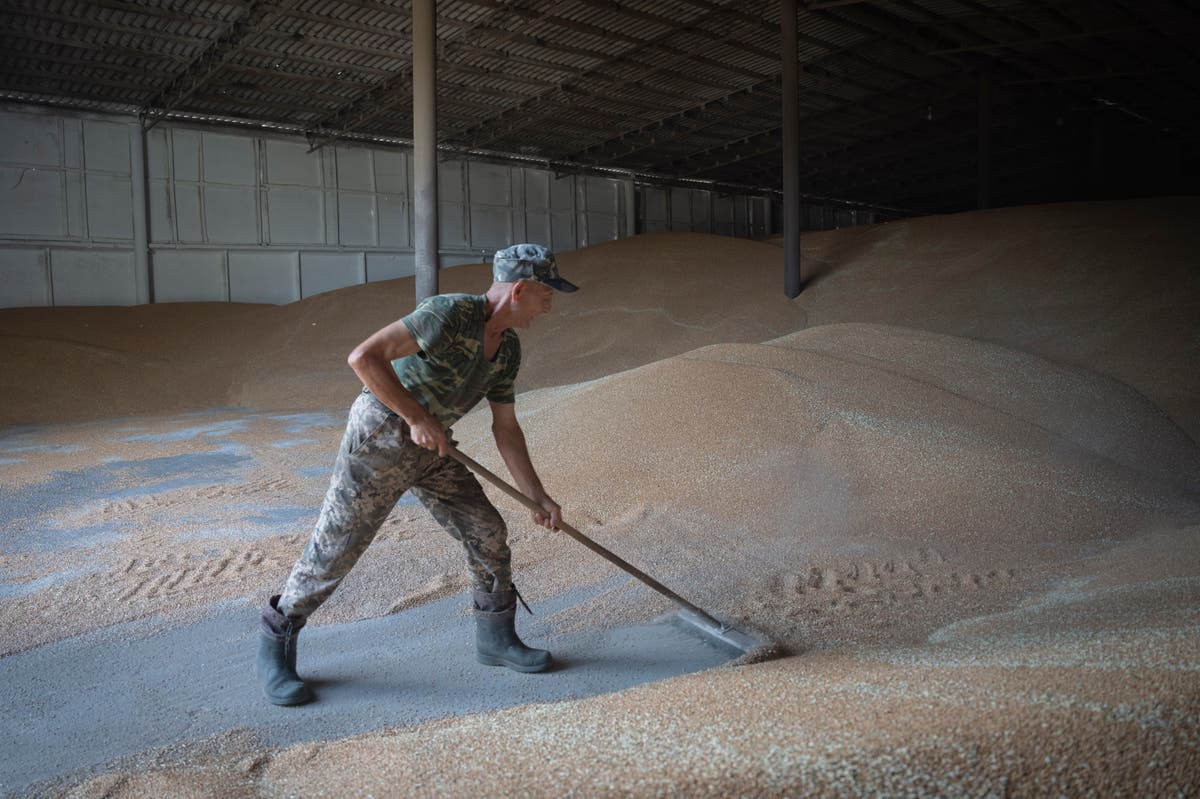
(511, 443)
(381, 379)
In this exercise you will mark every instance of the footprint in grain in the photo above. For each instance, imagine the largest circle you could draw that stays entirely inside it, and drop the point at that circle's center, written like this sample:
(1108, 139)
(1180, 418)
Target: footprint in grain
(152, 578)
(854, 584)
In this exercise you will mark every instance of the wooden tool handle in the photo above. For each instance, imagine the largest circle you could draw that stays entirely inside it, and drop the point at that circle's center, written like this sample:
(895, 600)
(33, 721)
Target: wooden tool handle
(616, 560)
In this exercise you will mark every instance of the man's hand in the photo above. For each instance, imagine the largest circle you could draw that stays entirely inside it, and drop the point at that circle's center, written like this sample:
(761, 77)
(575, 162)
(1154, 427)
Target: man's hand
(427, 432)
(550, 515)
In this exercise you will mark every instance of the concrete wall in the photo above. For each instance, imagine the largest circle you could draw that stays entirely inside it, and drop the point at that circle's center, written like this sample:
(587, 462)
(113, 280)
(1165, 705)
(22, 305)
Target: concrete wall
(235, 215)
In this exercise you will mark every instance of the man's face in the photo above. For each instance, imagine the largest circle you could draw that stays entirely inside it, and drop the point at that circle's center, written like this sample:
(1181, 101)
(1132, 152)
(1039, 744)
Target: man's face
(531, 300)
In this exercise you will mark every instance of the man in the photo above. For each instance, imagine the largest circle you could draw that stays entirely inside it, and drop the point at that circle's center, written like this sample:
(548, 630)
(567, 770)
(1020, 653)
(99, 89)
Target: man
(420, 375)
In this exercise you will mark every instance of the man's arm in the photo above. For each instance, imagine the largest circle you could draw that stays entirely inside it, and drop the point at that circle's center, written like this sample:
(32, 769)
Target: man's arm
(372, 362)
(510, 440)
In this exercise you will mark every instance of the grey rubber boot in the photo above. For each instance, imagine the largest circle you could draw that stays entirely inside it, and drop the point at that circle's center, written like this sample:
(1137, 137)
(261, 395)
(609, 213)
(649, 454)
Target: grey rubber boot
(276, 663)
(496, 641)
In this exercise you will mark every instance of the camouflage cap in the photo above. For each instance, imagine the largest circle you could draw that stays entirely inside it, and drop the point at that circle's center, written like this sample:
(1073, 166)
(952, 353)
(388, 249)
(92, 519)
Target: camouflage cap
(528, 262)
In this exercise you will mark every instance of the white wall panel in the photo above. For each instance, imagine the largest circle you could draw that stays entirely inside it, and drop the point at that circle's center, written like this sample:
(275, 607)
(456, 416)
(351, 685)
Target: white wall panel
(758, 217)
(185, 154)
(109, 207)
(326, 271)
(160, 212)
(562, 194)
(537, 189)
(654, 203)
(189, 224)
(290, 164)
(296, 216)
(93, 277)
(24, 278)
(72, 143)
(76, 221)
(603, 196)
(231, 215)
(723, 215)
(700, 212)
(229, 159)
(491, 227)
(357, 223)
(67, 179)
(490, 184)
(681, 209)
(537, 228)
(106, 146)
(31, 202)
(393, 222)
(454, 259)
(450, 182)
(515, 208)
(602, 227)
(391, 172)
(562, 231)
(31, 139)
(329, 199)
(452, 230)
(354, 170)
(389, 266)
(196, 276)
(272, 277)
(158, 154)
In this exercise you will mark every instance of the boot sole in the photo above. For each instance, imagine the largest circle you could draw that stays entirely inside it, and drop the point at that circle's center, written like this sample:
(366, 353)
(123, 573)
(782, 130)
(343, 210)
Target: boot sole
(488, 660)
(303, 699)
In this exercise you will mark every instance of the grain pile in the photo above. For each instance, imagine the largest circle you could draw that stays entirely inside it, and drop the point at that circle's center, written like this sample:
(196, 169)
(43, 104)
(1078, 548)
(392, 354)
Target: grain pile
(1111, 287)
(957, 479)
(646, 298)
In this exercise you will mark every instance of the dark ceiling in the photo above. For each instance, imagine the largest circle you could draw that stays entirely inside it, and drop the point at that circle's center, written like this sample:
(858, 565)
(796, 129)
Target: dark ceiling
(1093, 98)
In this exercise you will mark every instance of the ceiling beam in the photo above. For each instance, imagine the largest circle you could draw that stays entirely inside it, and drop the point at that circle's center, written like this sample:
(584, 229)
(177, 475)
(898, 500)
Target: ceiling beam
(95, 76)
(1041, 41)
(179, 88)
(681, 125)
(509, 121)
(758, 142)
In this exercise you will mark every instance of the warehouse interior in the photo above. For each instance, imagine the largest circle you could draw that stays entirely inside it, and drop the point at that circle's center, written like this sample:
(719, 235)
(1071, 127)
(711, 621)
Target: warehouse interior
(884, 348)
(244, 147)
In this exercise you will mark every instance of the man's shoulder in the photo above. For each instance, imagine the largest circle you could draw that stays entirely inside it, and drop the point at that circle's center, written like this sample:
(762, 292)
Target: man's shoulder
(448, 307)
(458, 302)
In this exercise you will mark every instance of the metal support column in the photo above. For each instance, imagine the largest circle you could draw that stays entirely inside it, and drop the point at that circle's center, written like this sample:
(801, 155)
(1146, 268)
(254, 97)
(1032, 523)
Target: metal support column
(985, 140)
(791, 148)
(425, 186)
(143, 266)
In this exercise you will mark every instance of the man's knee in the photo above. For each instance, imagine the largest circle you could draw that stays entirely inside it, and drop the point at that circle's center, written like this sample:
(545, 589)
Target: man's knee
(493, 528)
(479, 522)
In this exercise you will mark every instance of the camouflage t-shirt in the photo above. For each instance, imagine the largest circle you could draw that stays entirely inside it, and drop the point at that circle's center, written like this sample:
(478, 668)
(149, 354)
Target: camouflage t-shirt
(451, 374)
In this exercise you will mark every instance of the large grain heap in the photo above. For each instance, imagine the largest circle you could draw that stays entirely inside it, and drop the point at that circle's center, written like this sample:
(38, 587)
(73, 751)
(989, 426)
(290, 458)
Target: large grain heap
(958, 479)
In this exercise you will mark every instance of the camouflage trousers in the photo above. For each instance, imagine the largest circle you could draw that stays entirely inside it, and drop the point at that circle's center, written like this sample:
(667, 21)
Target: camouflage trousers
(376, 463)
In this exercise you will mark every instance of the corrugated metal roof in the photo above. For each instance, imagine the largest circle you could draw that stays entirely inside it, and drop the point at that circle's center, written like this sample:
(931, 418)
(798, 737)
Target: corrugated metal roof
(687, 87)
